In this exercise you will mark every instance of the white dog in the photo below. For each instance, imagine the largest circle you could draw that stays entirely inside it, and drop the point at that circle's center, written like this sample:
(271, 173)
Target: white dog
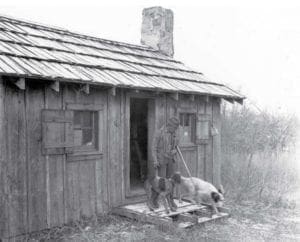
(199, 191)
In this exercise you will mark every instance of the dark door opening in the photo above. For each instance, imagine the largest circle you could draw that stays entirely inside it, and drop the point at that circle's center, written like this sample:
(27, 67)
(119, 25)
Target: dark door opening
(138, 143)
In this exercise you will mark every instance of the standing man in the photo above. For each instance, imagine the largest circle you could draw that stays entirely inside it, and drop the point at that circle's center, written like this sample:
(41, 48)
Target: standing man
(164, 148)
(163, 153)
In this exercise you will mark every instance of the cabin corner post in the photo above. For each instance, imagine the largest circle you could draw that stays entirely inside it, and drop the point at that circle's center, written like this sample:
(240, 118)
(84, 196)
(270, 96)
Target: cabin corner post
(217, 153)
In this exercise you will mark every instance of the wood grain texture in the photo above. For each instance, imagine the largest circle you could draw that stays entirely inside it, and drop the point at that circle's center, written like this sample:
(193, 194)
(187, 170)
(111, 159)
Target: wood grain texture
(16, 160)
(201, 161)
(55, 184)
(114, 129)
(72, 169)
(209, 148)
(37, 173)
(217, 158)
(101, 176)
(4, 226)
(86, 173)
(190, 157)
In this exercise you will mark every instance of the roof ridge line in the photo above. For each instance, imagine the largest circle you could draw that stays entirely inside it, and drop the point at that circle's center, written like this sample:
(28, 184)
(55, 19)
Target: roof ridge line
(75, 33)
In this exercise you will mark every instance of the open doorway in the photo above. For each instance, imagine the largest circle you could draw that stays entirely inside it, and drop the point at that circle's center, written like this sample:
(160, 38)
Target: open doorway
(139, 109)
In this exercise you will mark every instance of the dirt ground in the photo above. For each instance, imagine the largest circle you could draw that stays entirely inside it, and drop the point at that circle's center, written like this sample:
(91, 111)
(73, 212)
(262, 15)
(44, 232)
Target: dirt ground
(248, 222)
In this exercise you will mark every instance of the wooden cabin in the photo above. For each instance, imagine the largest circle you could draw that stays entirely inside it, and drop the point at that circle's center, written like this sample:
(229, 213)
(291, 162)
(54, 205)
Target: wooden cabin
(77, 117)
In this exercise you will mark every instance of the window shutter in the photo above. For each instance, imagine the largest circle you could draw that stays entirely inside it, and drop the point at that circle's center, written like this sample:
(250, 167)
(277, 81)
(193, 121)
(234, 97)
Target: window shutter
(57, 128)
(203, 128)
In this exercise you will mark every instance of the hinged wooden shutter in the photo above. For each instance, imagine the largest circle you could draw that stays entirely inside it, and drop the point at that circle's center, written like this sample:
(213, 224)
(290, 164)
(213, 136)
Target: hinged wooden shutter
(57, 131)
(203, 128)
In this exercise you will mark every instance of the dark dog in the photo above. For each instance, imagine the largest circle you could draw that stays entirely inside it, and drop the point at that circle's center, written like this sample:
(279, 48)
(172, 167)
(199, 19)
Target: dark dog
(161, 188)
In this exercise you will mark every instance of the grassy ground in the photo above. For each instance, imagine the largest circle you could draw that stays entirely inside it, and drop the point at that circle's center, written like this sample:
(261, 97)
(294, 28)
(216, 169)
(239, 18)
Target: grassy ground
(247, 223)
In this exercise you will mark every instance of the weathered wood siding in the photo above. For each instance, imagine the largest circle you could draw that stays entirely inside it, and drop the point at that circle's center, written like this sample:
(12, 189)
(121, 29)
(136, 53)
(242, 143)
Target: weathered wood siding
(4, 216)
(203, 159)
(217, 156)
(115, 121)
(40, 191)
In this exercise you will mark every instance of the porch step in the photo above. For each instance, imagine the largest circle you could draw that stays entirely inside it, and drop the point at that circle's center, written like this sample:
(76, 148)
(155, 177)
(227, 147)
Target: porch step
(187, 214)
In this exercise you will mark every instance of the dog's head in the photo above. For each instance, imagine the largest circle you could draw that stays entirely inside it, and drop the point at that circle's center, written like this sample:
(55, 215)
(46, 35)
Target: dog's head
(176, 178)
(165, 185)
(162, 184)
(218, 198)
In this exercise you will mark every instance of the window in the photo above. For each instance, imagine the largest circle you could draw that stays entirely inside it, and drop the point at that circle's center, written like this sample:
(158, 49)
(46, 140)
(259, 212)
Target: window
(203, 128)
(187, 127)
(76, 130)
(85, 130)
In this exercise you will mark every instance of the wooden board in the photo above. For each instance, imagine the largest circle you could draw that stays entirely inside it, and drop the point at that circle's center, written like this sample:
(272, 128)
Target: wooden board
(187, 214)
(37, 173)
(4, 228)
(115, 176)
(209, 149)
(16, 160)
(148, 218)
(55, 170)
(217, 159)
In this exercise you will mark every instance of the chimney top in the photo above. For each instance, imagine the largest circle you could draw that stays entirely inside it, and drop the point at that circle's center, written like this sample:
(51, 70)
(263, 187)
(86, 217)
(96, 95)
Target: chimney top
(157, 29)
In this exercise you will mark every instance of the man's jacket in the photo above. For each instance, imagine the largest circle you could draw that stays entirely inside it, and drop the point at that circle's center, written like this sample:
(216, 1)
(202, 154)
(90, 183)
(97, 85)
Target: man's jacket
(164, 146)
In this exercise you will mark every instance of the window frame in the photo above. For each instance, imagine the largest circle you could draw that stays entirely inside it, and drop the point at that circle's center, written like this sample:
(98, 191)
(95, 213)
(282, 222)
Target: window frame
(193, 128)
(93, 127)
(97, 149)
(203, 118)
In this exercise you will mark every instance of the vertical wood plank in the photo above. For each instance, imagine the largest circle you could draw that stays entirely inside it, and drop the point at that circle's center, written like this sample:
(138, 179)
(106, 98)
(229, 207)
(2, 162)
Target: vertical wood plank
(72, 169)
(201, 106)
(16, 160)
(72, 200)
(209, 148)
(201, 148)
(4, 226)
(155, 119)
(190, 157)
(201, 161)
(113, 144)
(100, 165)
(122, 144)
(55, 185)
(37, 195)
(126, 144)
(216, 114)
(86, 175)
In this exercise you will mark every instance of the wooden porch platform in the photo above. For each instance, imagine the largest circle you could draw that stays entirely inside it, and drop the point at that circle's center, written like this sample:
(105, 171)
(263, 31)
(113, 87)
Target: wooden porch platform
(186, 215)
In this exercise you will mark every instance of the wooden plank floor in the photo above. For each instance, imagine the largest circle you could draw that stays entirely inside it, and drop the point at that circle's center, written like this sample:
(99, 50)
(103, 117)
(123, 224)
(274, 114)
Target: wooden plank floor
(187, 214)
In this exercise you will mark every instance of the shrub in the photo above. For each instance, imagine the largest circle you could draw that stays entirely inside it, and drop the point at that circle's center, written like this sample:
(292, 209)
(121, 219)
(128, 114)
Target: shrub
(258, 154)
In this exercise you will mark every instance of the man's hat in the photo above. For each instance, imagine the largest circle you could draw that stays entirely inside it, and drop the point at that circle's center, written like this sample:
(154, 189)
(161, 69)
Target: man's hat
(173, 121)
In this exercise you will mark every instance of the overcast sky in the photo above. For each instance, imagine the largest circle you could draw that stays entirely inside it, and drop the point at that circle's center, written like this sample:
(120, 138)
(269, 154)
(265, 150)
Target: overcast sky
(253, 47)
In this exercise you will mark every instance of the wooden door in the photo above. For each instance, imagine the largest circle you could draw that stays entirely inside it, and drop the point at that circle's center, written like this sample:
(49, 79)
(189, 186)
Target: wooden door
(187, 142)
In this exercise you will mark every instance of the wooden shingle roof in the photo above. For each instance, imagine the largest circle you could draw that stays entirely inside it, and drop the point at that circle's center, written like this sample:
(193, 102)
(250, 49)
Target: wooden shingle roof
(34, 50)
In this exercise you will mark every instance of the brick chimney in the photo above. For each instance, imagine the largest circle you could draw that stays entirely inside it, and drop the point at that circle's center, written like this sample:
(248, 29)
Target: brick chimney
(157, 29)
